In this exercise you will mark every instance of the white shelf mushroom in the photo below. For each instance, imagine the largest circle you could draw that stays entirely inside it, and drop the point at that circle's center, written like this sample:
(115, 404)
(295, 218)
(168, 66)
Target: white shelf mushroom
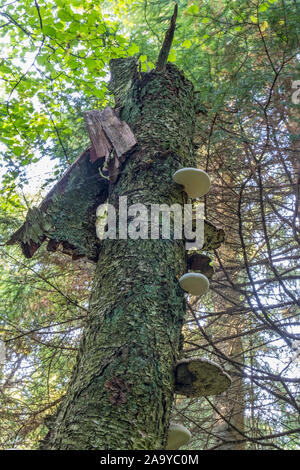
(178, 436)
(194, 283)
(196, 377)
(196, 182)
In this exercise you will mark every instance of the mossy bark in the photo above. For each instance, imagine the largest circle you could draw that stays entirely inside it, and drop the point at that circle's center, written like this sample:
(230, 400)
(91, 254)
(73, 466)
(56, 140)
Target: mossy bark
(121, 391)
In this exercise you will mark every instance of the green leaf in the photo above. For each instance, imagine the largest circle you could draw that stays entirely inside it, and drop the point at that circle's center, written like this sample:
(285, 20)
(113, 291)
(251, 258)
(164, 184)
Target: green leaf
(133, 49)
(60, 25)
(17, 150)
(172, 57)
(49, 30)
(5, 68)
(193, 9)
(187, 44)
(63, 15)
(41, 59)
(264, 7)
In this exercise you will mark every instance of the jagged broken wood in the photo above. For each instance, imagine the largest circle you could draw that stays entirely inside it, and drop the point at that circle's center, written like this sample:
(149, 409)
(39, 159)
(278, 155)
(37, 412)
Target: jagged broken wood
(111, 139)
(166, 46)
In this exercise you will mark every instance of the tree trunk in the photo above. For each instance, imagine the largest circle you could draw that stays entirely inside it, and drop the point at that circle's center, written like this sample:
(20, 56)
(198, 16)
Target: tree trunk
(230, 417)
(229, 407)
(122, 387)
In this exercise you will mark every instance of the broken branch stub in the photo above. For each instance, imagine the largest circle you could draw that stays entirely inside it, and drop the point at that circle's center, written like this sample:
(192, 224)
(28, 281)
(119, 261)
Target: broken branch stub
(166, 46)
(66, 216)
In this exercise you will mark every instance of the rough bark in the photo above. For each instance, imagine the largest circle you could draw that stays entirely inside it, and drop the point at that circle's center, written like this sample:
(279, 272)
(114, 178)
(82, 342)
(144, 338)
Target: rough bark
(122, 387)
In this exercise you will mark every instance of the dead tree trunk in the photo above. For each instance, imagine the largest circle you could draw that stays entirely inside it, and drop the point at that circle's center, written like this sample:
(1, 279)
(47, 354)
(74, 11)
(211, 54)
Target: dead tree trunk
(121, 391)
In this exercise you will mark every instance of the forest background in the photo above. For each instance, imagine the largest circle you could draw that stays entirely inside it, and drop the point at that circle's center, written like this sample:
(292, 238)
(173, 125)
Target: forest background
(243, 60)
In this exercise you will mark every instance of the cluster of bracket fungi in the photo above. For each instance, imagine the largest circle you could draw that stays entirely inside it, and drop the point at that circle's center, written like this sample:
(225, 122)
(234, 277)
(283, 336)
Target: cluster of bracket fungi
(194, 377)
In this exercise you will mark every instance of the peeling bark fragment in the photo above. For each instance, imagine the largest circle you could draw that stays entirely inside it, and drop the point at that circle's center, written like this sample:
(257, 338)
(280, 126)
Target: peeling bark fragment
(118, 133)
(101, 146)
(111, 139)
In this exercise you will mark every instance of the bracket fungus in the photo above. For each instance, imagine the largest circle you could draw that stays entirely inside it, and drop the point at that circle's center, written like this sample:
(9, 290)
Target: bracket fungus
(200, 263)
(194, 283)
(196, 182)
(178, 436)
(196, 377)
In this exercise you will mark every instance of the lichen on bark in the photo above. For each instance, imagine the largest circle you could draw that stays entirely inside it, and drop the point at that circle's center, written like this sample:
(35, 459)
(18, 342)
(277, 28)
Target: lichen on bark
(121, 392)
